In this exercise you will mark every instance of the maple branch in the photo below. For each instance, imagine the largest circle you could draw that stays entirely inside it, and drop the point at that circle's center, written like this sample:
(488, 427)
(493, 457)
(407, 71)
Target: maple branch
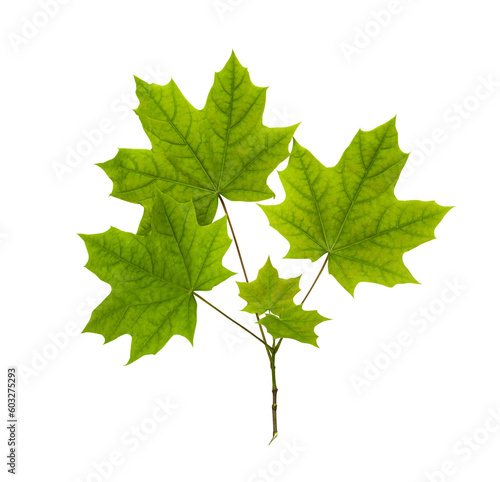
(271, 352)
(229, 318)
(317, 278)
(244, 270)
(274, 407)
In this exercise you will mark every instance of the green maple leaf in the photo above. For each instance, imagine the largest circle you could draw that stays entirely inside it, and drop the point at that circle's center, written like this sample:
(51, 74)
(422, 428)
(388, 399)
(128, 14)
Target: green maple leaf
(270, 293)
(199, 155)
(350, 212)
(154, 277)
(294, 322)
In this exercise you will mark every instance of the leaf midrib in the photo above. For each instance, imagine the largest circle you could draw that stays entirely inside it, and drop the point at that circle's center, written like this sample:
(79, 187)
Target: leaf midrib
(170, 313)
(381, 233)
(229, 120)
(139, 267)
(367, 170)
(177, 242)
(181, 136)
(315, 201)
(286, 323)
(160, 178)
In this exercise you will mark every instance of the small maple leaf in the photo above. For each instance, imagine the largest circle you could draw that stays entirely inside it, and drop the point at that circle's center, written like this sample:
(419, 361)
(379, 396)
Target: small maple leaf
(268, 292)
(274, 295)
(294, 322)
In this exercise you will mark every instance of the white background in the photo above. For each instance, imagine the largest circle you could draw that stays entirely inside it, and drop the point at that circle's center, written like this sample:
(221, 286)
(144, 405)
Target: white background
(79, 404)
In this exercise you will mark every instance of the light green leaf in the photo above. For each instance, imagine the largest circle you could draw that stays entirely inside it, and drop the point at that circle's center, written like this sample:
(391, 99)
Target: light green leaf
(294, 322)
(272, 294)
(268, 292)
(153, 277)
(223, 149)
(350, 212)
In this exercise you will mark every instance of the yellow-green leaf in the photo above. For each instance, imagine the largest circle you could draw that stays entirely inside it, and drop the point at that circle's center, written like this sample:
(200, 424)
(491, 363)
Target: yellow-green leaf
(294, 322)
(268, 292)
(154, 277)
(223, 149)
(349, 212)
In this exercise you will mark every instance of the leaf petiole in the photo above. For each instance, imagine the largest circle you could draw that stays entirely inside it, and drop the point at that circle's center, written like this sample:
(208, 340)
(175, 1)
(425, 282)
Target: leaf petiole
(317, 278)
(229, 318)
(244, 271)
